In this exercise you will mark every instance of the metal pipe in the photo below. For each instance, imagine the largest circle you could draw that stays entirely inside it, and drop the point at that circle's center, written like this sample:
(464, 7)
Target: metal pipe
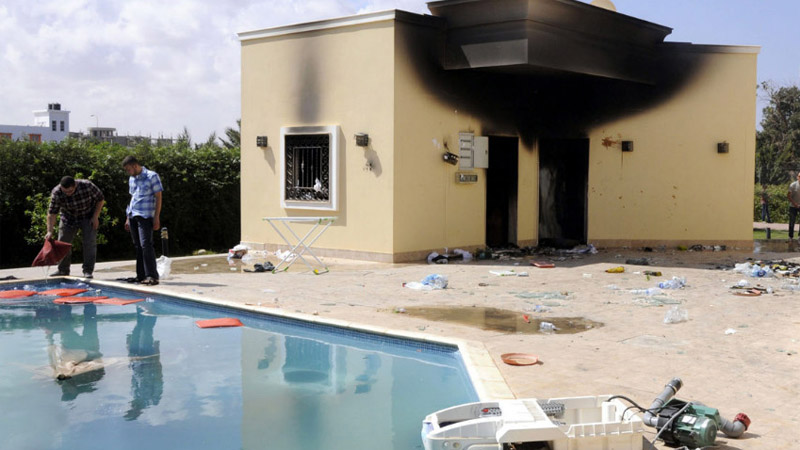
(734, 428)
(671, 388)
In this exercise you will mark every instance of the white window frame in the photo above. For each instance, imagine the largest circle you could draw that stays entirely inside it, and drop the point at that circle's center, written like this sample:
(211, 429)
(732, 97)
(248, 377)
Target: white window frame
(333, 132)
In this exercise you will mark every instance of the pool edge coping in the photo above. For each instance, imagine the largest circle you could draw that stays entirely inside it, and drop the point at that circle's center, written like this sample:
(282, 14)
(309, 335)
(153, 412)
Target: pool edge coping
(485, 376)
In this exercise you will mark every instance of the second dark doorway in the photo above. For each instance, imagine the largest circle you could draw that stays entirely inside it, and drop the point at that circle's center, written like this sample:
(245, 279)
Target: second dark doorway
(563, 184)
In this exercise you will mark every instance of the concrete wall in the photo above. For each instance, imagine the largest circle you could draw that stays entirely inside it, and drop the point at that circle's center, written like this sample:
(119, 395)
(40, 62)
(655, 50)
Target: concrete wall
(432, 211)
(341, 76)
(674, 188)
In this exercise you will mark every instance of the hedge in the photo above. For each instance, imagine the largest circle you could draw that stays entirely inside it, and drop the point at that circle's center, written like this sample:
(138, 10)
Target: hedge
(200, 204)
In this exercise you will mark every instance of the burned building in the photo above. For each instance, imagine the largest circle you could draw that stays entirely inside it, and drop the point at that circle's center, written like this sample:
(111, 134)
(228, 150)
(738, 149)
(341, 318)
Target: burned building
(496, 121)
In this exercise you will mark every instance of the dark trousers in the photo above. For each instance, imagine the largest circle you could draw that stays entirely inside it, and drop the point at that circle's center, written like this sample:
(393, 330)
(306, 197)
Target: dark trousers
(765, 213)
(792, 216)
(67, 234)
(142, 234)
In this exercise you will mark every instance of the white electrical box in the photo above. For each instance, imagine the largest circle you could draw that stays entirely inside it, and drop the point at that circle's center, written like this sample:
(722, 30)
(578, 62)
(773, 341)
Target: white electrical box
(480, 152)
(473, 151)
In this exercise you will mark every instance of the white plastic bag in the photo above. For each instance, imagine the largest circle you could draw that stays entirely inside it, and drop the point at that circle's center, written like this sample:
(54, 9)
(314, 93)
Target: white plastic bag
(676, 314)
(163, 265)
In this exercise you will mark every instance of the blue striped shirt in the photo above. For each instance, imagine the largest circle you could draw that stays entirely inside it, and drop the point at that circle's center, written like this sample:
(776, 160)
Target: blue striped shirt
(143, 188)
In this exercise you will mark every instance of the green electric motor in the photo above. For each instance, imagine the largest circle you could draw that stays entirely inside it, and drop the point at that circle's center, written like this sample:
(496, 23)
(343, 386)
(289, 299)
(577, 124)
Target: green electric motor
(695, 426)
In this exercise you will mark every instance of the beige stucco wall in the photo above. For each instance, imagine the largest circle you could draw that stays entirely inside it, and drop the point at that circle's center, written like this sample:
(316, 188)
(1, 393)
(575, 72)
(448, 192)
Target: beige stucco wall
(341, 76)
(674, 188)
(432, 211)
(381, 78)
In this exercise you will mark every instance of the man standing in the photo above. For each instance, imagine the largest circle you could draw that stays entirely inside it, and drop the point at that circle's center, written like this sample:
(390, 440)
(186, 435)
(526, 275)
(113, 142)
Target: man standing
(142, 217)
(794, 199)
(80, 203)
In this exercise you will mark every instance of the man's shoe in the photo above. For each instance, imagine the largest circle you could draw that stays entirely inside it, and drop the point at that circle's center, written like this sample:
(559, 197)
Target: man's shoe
(87, 275)
(59, 273)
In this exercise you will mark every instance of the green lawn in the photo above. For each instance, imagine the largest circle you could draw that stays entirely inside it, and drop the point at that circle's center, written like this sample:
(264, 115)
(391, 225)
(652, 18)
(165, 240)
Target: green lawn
(776, 234)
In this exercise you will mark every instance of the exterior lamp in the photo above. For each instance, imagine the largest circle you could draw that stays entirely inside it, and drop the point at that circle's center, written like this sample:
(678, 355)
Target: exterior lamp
(261, 141)
(627, 146)
(722, 147)
(362, 139)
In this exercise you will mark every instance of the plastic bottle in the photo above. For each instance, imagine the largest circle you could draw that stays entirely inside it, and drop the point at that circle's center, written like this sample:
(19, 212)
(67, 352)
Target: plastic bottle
(674, 283)
(649, 291)
(547, 327)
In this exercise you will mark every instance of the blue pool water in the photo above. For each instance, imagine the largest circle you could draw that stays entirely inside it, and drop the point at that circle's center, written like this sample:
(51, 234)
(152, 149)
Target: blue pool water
(160, 382)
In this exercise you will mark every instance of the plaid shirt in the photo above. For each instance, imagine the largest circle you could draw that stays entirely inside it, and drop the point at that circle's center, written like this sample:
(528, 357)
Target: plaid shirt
(78, 206)
(143, 188)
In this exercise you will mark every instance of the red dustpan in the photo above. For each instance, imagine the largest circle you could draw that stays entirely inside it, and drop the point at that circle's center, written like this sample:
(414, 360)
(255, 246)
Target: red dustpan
(51, 253)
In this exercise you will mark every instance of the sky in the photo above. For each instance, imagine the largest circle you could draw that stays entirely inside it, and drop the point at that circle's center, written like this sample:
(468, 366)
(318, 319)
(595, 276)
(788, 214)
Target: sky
(152, 67)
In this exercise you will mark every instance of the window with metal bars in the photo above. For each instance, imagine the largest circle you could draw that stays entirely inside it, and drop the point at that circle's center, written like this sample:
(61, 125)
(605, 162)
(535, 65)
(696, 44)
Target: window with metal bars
(307, 167)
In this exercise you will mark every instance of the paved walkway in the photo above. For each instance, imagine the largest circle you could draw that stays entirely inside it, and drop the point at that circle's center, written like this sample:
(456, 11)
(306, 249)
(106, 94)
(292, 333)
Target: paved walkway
(737, 354)
(772, 226)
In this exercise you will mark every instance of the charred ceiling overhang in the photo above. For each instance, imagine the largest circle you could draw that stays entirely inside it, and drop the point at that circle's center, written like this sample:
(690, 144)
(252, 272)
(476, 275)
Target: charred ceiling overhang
(546, 36)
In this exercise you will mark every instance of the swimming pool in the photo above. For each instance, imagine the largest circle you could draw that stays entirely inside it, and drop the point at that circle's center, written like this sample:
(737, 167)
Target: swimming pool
(161, 382)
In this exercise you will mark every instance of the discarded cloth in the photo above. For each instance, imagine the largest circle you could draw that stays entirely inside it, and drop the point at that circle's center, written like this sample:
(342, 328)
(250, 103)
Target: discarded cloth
(266, 267)
(52, 253)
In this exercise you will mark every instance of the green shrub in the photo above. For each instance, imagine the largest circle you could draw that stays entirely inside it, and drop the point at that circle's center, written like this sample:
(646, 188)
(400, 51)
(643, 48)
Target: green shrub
(200, 206)
(777, 201)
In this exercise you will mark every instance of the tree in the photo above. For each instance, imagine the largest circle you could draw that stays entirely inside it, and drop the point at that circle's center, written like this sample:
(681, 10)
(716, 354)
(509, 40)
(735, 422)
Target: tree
(778, 143)
(184, 138)
(234, 136)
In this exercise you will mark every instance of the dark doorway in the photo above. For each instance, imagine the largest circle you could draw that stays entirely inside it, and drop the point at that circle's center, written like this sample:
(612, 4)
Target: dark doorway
(501, 191)
(563, 184)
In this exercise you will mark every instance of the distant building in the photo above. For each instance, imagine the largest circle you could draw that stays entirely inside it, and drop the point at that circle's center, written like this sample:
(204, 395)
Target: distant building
(108, 134)
(50, 125)
(101, 132)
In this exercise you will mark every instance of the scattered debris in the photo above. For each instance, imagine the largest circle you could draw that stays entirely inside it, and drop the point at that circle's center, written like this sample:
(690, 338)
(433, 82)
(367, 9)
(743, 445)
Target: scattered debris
(638, 262)
(257, 267)
(649, 291)
(519, 359)
(429, 283)
(730, 331)
(676, 314)
(656, 301)
(547, 327)
(674, 283)
(238, 251)
(508, 273)
(652, 273)
(457, 255)
(618, 269)
(748, 293)
(564, 295)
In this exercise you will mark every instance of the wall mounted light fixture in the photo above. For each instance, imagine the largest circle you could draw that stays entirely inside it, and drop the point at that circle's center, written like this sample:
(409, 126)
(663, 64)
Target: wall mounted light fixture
(722, 147)
(362, 139)
(450, 158)
(261, 141)
(627, 146)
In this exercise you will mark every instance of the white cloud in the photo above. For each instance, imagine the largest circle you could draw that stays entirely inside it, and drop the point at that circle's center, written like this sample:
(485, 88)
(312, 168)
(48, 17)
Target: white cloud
(153, 67)
(147, 66)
